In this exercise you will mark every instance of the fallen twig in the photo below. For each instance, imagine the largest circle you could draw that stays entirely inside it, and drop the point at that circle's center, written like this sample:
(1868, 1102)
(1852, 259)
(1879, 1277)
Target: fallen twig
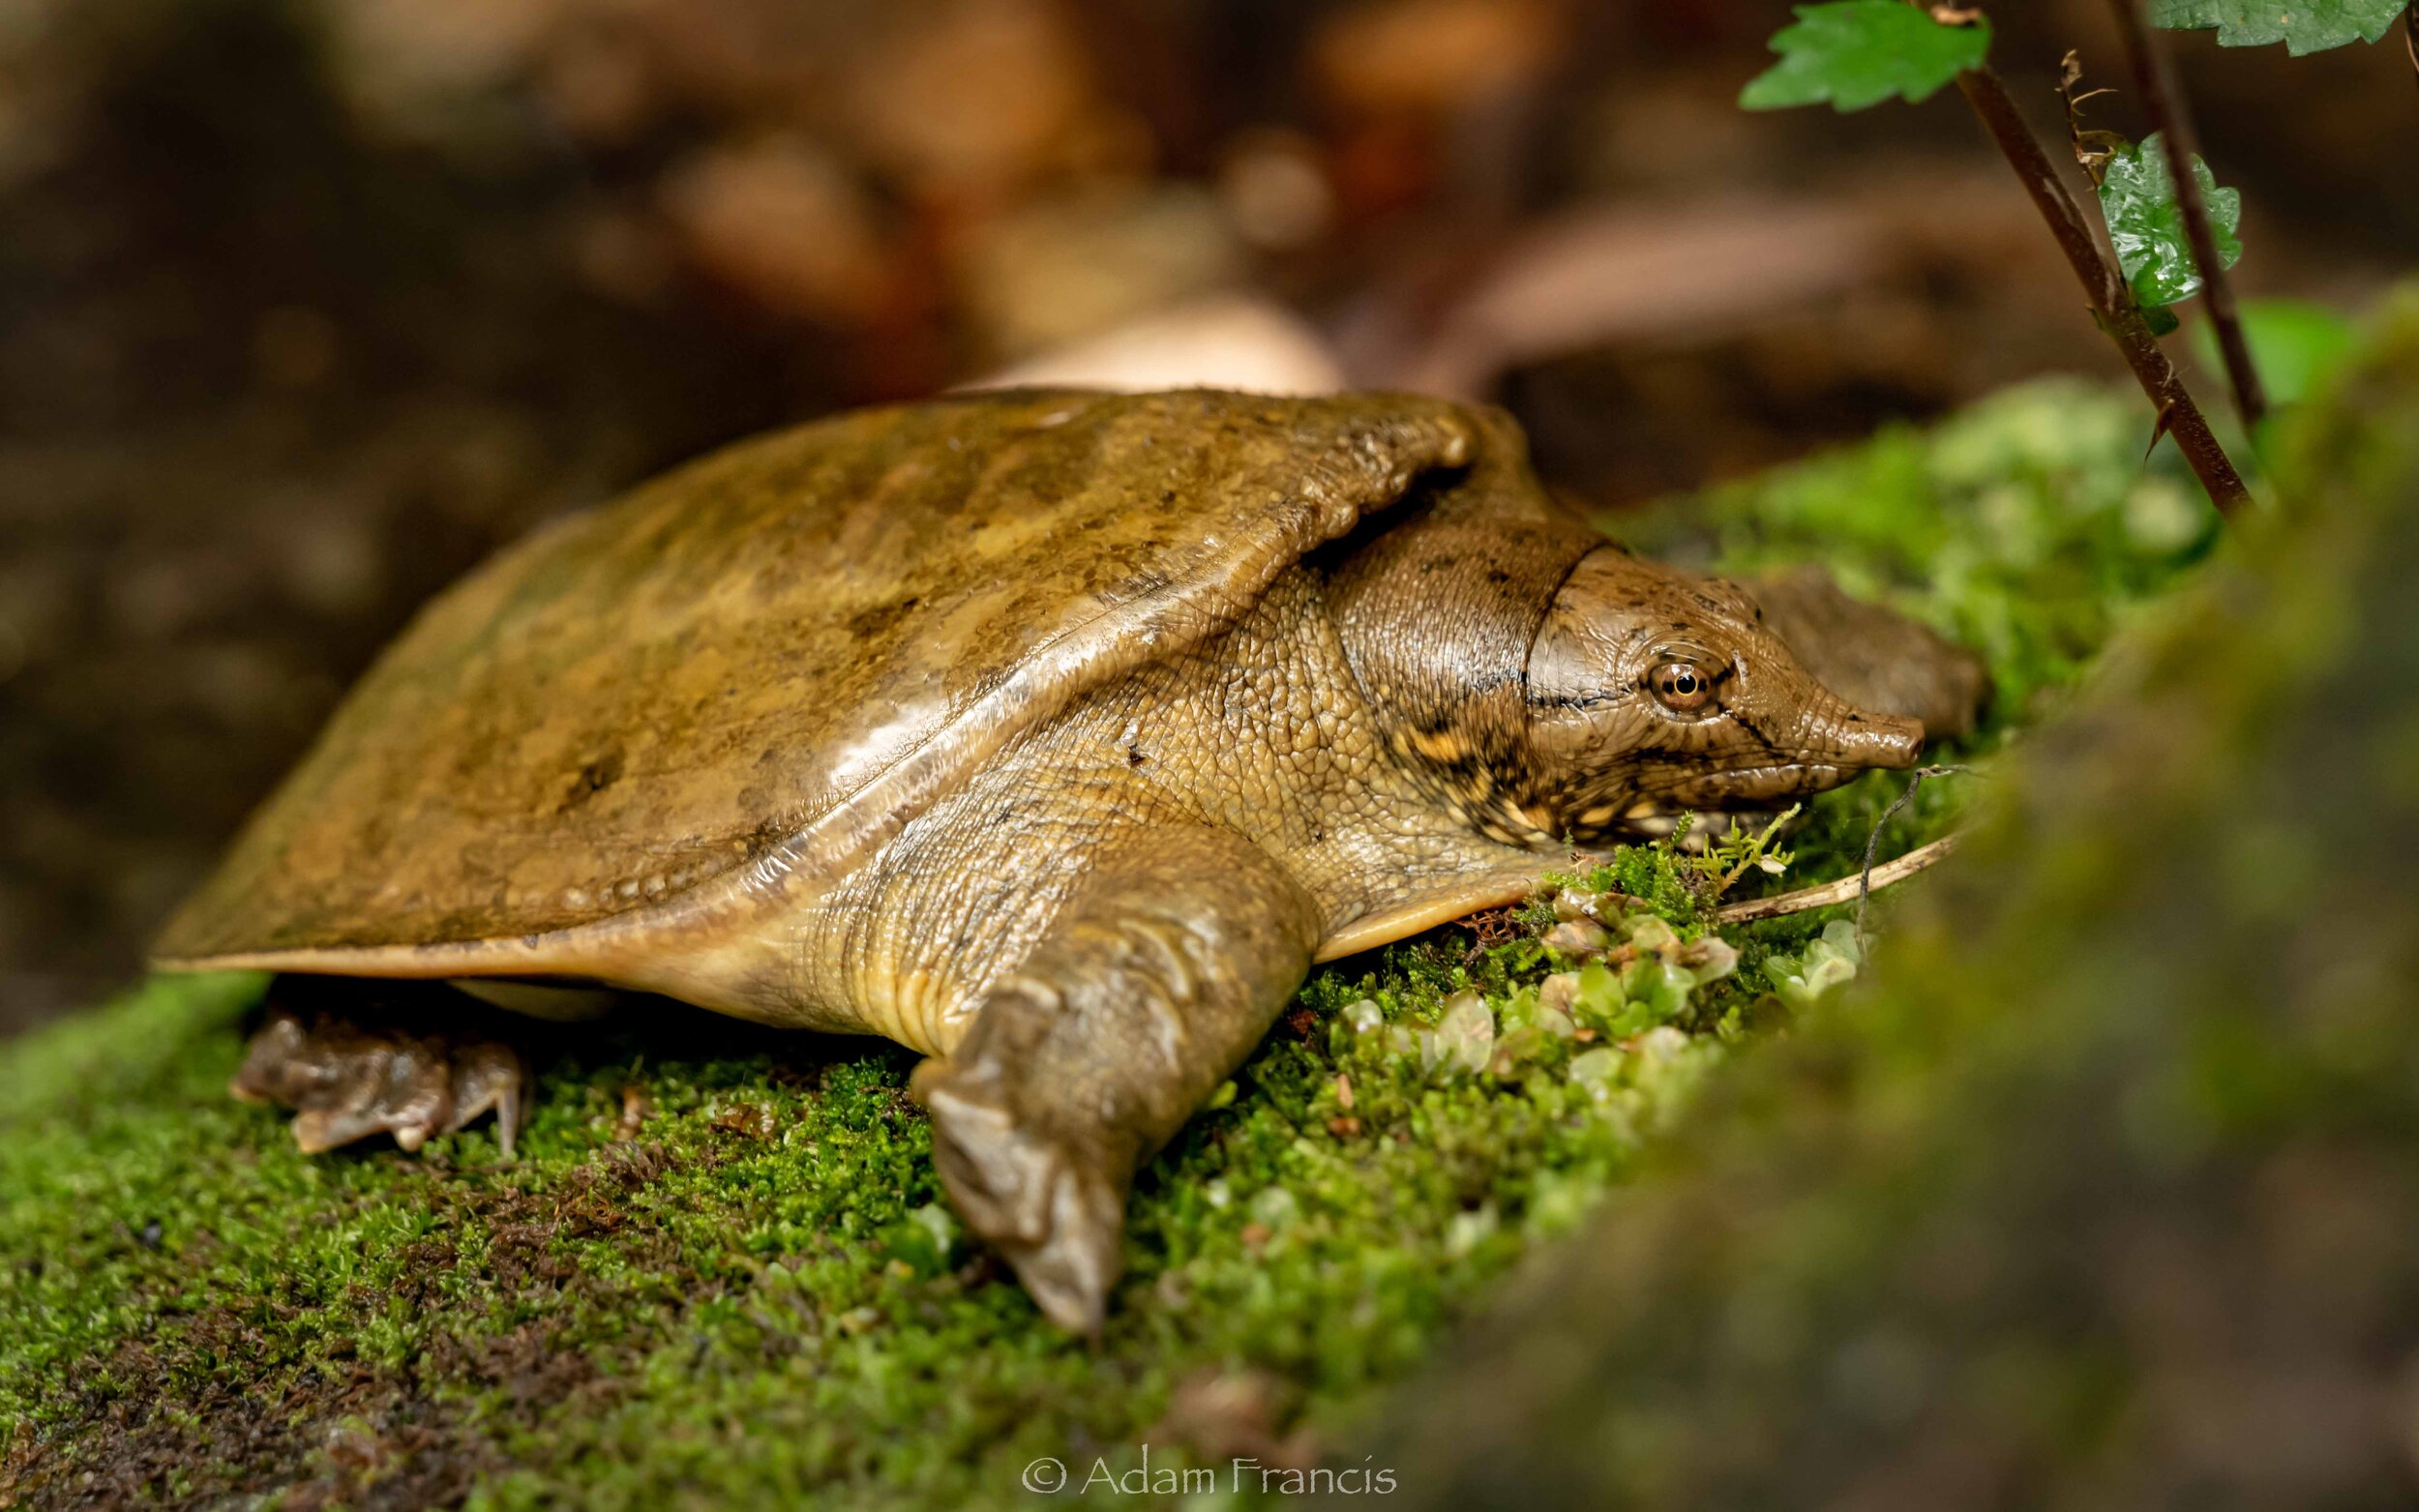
(1858, 887)
(2163, 97)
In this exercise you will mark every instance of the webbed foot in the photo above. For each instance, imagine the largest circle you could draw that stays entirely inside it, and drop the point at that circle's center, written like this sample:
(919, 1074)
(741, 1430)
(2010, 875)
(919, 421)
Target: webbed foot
(348, 1077)
(1053, 1206)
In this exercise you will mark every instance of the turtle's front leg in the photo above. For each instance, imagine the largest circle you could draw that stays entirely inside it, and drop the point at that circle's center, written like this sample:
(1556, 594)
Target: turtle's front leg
(1159, 976)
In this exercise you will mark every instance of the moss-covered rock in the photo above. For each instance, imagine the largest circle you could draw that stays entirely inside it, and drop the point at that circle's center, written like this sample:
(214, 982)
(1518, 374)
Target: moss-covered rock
(719, 1272)
(2105, 1195)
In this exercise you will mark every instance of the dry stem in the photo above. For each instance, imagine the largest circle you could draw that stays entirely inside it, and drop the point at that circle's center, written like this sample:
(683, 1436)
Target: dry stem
(1848, 889)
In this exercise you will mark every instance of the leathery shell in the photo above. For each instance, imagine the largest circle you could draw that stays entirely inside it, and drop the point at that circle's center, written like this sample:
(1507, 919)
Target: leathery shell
(775, 656)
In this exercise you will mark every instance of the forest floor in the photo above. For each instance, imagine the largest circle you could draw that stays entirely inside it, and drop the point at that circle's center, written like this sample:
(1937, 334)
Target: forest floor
(719, 1271)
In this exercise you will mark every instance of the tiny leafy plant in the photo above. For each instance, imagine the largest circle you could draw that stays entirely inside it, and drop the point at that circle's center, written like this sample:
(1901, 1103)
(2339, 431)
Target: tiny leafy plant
(2146, 225)
(2173, 231)
(1730, 859)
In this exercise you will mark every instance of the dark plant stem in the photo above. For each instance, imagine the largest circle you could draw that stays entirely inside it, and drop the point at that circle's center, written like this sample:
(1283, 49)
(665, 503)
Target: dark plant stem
(1873, 840)
(2163, 97)
(2112, 303)
(2411, 38)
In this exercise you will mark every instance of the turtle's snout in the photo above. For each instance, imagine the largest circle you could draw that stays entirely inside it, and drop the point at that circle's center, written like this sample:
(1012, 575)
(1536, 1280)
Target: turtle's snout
(1829, 734)
(1855, 738)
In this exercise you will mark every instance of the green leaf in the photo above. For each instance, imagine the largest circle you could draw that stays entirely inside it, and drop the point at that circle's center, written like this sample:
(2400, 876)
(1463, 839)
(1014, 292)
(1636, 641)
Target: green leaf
(2293, 343)
(1860, 52)
(2146, 225)
(2301, 25)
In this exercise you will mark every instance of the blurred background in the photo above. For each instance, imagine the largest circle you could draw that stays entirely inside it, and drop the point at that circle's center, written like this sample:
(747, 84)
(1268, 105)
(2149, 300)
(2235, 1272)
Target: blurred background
(307, 305)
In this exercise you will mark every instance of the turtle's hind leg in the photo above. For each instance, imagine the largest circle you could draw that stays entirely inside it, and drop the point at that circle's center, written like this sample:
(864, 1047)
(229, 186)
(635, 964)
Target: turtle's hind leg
(355, 1058)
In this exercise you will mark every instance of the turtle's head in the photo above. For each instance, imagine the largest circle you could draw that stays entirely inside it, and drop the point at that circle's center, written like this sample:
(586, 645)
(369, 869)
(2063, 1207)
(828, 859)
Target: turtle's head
(1650, 692)
(1546, 685)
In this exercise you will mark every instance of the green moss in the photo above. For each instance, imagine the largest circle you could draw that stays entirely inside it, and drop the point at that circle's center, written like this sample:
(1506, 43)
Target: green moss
(720, 1270)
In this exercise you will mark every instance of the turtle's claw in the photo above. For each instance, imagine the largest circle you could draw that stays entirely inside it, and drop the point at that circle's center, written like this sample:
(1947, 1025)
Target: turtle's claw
(488, 1074)
(1079, 1255)
(347, 1081)
(1054, 1209)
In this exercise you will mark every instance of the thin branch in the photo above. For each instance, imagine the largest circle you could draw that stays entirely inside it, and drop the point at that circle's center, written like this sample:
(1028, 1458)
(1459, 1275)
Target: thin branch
(2112, 303)
(2163, 97)
(1873, 836)
(2410, 37)
(1845, 890)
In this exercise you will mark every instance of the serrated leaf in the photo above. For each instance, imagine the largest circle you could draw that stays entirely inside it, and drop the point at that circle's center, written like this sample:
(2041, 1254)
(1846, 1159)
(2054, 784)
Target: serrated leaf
(2146, 225)
(1860, 52)
(2301, 25)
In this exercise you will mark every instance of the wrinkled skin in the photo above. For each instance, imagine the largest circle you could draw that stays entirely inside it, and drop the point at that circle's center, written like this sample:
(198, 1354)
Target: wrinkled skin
(1090, 920)
(1651, 694)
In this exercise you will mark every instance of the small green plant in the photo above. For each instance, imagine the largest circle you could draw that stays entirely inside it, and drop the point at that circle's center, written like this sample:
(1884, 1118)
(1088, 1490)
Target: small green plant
(2146, 226)
(1828, 962)
(1730, 859)
(2172, 227)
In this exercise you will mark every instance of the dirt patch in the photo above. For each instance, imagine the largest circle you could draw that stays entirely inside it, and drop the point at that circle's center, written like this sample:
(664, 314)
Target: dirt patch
(156, 1423)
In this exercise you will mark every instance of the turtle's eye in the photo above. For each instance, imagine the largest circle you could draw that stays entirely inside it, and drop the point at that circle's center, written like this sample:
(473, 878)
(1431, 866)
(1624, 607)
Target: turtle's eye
(1683, 687)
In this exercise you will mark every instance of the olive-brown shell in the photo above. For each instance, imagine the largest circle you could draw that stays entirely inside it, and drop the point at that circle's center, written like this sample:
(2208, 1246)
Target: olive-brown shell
(775, 656)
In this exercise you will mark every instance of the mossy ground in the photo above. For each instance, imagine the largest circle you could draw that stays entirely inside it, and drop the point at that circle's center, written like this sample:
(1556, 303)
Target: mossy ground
(718, 1271)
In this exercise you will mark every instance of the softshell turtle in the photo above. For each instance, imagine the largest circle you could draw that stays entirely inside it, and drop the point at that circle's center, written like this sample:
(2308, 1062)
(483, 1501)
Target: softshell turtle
(1052, 734)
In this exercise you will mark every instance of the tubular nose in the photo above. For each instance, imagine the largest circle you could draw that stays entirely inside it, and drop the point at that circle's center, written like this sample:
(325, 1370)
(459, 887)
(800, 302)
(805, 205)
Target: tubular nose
(1835, 732)
(1881, 740)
